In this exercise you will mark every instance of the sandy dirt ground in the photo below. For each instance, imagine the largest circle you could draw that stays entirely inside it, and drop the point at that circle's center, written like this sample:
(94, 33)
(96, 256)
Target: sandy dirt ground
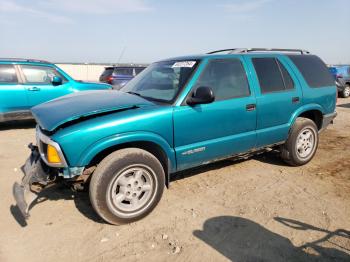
(254, 210)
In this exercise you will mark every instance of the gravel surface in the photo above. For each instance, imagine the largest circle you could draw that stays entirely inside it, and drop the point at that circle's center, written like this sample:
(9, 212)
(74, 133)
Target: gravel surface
(253, 210)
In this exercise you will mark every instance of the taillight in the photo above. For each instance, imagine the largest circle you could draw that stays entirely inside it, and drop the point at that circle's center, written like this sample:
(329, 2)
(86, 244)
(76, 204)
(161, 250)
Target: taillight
(110, 79)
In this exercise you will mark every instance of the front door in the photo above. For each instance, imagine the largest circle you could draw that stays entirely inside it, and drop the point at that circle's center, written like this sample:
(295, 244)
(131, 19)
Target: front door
(206, 132)
(13, 100)
(38, 84)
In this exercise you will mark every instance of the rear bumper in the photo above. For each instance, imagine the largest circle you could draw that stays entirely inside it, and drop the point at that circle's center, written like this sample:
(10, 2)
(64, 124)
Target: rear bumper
(328, 119)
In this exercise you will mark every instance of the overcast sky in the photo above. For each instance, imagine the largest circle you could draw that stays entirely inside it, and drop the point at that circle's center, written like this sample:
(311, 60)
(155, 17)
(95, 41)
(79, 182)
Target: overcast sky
(149, 30)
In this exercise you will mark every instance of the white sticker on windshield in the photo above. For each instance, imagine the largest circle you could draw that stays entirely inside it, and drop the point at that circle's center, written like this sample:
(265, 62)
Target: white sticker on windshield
(184, 64)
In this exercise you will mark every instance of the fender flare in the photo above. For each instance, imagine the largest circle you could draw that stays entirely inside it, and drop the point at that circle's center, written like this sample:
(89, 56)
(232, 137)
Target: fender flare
(304, 109)
(119, 139)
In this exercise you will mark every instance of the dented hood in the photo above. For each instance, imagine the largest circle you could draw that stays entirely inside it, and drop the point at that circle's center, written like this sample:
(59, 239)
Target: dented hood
(81, 105)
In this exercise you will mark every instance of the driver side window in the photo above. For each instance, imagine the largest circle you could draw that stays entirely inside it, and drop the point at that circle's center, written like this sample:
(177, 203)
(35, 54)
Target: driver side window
(39, 74)
(226, 77)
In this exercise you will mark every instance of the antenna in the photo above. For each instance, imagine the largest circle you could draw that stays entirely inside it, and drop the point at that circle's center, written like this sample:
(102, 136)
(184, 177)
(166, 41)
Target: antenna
(121, 54)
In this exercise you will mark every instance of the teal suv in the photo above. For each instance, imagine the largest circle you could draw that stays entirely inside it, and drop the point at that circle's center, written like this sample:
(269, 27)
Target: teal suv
(177, 114)
(25, 83)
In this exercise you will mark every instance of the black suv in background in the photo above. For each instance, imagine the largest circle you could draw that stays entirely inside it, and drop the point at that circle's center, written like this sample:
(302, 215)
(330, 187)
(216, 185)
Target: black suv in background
(118, 76)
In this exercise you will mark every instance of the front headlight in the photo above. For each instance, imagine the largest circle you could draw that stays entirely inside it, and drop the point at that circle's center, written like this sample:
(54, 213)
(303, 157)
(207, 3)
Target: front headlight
(50, 151)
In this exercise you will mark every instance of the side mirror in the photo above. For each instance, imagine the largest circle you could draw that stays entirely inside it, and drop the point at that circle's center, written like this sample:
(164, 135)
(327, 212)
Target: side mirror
(56, 81)
(202, 95)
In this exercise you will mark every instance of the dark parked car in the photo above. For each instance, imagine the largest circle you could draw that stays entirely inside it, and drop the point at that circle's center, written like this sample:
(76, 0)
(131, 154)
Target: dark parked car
(118, 76)
(341, 75)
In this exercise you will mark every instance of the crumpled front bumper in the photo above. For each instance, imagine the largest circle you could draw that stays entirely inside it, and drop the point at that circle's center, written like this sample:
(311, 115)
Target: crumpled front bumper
(34, 180)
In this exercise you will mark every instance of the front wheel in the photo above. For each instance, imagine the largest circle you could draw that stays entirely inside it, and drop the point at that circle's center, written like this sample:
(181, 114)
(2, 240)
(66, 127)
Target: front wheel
(302, 142)
(126, 185)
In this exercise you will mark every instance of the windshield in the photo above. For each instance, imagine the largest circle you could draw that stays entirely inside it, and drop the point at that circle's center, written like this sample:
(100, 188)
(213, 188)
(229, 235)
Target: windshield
(161, 81)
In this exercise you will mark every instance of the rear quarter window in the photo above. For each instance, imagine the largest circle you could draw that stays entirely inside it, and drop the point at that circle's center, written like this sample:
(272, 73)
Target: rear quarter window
(108, 71)
(314, 71)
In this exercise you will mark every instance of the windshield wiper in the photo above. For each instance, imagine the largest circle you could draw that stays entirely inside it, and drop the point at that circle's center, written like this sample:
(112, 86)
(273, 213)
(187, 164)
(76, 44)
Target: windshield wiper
(133, 93)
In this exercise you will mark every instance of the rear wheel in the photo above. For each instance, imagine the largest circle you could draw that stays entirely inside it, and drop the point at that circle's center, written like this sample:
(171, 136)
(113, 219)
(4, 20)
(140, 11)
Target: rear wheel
(126, 185)
(346, 92)
(302, 142)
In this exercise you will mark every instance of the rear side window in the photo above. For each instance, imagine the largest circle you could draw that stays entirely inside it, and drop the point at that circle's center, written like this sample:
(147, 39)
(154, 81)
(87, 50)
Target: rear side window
(8, 74)
(227, 78)
(272, 75)
(288, 81)
(314, 71)
(123, 71)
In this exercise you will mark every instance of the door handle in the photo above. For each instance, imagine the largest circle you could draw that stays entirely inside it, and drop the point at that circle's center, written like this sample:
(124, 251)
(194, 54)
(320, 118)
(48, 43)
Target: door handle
(295, 99)
(34, 88)
(250, 107)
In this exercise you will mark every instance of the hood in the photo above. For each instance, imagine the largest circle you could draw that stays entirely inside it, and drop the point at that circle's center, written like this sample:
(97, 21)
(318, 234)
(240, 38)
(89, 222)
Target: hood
(80, 105)
(92, 85)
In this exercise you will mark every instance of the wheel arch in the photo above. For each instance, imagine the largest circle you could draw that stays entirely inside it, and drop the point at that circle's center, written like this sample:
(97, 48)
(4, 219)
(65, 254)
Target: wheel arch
(313, 112)
(150, 142)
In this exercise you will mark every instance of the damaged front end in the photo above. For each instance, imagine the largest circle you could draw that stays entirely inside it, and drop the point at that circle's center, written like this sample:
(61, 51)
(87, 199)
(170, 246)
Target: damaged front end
(36, 177)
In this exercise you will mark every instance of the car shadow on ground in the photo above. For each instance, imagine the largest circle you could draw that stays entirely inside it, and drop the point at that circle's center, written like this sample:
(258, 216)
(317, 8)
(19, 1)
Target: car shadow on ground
(202, 169)
(344, 105)
(20, 124)
(272, 157)
(60, 192)
(241, 239)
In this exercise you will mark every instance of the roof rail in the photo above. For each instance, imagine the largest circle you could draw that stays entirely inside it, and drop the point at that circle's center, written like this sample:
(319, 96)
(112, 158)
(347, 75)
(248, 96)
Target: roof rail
(23, 60)
(247, 50)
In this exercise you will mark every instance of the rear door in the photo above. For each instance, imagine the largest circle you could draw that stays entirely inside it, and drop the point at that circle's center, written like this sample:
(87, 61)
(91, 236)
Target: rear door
(38, 84)
(12, 94)
(279, 95)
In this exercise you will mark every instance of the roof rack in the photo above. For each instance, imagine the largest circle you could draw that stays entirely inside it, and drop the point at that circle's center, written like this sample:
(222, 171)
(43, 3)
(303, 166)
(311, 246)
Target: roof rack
(247, 50)
(24, 60)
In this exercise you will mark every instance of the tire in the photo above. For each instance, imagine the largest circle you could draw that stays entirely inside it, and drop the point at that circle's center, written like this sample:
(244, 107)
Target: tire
(302, 142)
(346, 92)
(126, 185)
